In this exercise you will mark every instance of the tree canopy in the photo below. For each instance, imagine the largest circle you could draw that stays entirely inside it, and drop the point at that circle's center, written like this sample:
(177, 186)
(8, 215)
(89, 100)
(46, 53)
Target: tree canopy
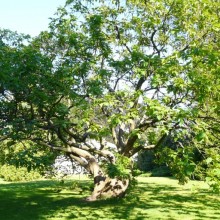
(130, 73)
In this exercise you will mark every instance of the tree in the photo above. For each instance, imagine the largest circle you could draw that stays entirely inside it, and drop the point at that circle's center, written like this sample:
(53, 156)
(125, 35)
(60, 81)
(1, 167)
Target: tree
(131, 73)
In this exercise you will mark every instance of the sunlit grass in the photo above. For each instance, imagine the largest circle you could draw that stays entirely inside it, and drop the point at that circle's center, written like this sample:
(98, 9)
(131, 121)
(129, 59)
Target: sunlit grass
(153, 198)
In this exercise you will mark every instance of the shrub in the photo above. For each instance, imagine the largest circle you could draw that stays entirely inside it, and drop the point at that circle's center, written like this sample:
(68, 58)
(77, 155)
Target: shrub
(162, 171)
(148, 174)
(12, 174)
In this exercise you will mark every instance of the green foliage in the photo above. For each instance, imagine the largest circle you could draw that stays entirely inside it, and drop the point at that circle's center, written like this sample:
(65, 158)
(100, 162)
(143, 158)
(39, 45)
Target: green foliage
(26, 154)
(13, 174)
(213, 171)
(179, 161)
(136, 172)
(121, 169)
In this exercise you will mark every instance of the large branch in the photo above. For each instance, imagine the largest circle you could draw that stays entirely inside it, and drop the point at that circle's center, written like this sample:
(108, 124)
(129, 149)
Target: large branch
(80, 161)
(92, 165)
(103, 152)
(130, 143)
(149, 147)
(127, 150)
(78, 137)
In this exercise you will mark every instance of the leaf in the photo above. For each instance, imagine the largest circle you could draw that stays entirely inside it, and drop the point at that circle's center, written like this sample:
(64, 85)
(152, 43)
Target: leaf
(208, 160)
(200, 136)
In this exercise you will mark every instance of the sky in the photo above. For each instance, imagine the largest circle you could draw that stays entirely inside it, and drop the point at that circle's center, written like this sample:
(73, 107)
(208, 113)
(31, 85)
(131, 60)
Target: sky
(27, 16)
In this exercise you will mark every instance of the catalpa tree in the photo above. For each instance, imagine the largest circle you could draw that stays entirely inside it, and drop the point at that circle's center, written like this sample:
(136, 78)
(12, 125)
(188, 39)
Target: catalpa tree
(129, 73)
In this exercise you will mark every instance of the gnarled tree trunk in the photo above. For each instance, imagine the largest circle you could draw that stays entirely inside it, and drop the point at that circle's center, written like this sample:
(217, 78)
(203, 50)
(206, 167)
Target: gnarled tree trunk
(106, 187)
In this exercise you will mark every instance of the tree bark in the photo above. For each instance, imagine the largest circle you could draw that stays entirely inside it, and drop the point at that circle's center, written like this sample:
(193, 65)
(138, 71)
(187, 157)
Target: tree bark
(106, 187)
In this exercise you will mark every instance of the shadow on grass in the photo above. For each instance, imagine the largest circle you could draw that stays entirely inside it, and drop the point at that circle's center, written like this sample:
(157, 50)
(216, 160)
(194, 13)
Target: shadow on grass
(47, 200)
(35, 200)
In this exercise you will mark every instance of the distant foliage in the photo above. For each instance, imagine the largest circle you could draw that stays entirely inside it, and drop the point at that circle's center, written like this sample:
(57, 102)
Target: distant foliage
(12, 174)
(145, 160)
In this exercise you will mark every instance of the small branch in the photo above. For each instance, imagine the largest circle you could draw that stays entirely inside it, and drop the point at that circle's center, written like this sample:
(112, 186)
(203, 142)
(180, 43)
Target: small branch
(128, 48)
(184, 48)
(152, 40)
(149, 147)
(4, 138)
(140, 82)
(139, 148)
(116, 83)
(209, 118)
(147, 124)
(114, 136)
(120, 137)
(118, 36)
(76, 136)
(43, 143)
(109, 155)
(105, 112)
(102, 143)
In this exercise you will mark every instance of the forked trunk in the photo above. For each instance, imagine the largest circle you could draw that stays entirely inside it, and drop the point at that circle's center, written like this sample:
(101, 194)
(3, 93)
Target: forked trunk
(105, 187)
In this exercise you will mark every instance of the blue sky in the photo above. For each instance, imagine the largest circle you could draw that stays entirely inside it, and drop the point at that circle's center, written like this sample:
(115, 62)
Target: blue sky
(27, 16)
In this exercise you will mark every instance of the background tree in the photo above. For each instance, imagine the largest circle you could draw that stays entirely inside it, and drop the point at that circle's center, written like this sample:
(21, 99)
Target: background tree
(129, 73)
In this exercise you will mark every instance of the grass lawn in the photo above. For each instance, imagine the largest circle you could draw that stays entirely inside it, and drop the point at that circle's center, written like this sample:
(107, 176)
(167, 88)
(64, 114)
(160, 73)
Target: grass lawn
(153, 198)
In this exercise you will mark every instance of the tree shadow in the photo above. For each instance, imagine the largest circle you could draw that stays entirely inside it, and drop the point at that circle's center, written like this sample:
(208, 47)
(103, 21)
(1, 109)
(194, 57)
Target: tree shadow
(34, 200)
(42, 200)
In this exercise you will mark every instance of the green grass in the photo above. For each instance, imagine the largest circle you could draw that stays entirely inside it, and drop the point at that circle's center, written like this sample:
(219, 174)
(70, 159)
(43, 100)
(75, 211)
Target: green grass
(153, 198)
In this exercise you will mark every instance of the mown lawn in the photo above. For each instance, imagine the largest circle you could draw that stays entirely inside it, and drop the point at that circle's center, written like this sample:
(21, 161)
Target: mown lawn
(153, 198)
